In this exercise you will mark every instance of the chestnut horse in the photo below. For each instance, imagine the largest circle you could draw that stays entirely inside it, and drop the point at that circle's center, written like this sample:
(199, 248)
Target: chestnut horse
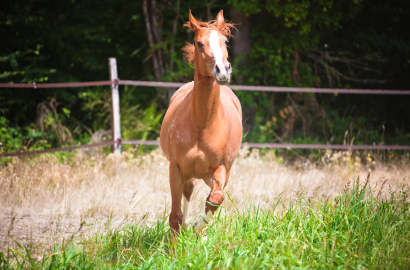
(202, 129)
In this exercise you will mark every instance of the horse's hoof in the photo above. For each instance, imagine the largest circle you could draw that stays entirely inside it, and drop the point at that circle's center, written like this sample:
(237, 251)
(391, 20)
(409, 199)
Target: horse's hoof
(199, 226)
(184, 226)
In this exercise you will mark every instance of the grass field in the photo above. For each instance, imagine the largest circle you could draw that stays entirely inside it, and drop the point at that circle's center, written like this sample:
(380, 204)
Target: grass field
(89, 212)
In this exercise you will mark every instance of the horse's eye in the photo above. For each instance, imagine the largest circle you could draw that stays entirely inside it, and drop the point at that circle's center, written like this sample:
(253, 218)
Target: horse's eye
(226, 42)
(200, 45)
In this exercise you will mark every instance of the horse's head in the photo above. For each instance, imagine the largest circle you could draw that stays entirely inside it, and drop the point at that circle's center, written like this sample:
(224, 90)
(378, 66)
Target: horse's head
(210, 53)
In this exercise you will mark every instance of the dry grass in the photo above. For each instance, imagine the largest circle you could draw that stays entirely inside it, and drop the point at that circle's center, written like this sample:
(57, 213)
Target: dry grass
(42, 199)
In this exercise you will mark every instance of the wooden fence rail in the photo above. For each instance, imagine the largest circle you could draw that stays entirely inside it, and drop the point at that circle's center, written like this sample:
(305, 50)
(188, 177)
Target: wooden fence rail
(114, 82)
(288, 146)
(233, 87)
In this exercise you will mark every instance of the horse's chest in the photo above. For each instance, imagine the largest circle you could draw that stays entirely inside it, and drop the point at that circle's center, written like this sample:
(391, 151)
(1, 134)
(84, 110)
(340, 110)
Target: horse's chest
(200, 163)
(198, 154)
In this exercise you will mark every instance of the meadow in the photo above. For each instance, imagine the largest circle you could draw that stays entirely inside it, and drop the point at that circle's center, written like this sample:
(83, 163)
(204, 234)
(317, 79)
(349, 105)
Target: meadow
(339, 210)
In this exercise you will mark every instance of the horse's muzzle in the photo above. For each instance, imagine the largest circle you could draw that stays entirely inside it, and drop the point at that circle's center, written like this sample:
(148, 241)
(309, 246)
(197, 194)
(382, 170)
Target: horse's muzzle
(222, 75)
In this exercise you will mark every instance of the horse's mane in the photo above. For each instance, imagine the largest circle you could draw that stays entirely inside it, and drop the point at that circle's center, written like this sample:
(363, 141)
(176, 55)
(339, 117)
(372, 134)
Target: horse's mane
(225, 29)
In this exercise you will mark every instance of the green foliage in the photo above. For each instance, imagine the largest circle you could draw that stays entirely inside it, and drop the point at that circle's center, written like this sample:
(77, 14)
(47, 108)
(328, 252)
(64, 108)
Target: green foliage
(356, 229)
(286, 37)
(320, 43)
(14, 61)
(13, 139)
(56, 125)
(305, 19)
(137, 122)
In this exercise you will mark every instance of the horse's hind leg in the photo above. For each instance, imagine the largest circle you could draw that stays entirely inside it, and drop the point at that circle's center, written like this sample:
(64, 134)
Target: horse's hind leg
(188, 189)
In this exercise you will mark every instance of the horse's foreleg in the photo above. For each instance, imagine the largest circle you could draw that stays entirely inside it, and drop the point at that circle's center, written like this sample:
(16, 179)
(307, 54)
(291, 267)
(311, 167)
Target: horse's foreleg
(188, 189)
(215, 198)
(175, 182)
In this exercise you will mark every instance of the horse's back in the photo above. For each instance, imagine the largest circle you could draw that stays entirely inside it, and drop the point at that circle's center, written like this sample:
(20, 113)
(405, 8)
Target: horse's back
(180, 94)
(229, 97)
(174, 104)
(234, 112)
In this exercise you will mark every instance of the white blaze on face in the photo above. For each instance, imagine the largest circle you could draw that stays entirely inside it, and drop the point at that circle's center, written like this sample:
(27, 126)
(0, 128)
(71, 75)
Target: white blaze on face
(217, 52)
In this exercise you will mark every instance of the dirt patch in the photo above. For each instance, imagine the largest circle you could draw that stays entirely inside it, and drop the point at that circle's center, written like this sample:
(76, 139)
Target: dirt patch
(41, 229)
(43, 200)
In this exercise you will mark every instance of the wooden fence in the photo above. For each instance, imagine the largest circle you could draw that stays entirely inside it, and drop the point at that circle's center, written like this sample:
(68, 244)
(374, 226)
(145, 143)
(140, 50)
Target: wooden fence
(116, 143)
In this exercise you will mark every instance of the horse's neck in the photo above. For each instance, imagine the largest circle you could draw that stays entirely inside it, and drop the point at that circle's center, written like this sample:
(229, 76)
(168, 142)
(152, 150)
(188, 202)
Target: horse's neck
(205, 102)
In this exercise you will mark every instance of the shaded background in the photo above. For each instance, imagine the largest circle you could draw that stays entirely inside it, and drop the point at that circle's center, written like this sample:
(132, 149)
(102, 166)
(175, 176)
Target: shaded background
(335, 44)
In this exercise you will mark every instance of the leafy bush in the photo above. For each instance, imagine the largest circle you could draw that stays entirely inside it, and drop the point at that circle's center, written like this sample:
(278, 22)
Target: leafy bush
(21, 138)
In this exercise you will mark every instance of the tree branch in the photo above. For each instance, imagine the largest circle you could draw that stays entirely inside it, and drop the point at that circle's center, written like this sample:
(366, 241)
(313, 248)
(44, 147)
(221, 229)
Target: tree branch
(324, 59)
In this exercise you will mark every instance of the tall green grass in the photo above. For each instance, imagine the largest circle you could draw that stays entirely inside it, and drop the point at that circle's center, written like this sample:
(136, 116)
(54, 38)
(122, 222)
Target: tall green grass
(359, 229)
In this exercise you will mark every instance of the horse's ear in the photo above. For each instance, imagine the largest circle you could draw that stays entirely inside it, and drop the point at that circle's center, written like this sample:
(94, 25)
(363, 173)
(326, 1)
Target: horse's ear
(193, 24)
(219, 20)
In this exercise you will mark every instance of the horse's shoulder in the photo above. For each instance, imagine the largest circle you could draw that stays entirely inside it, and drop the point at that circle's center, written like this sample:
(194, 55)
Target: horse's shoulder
(182, 91)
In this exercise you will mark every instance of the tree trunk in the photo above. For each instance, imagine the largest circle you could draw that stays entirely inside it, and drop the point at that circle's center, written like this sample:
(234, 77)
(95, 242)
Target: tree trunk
(154, 38)
(171, 91)
(241, 41)
(295, 73)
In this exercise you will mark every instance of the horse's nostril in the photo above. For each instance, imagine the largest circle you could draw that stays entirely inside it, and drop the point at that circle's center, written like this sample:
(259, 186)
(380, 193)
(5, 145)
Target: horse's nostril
(217, 69)
(229, 67)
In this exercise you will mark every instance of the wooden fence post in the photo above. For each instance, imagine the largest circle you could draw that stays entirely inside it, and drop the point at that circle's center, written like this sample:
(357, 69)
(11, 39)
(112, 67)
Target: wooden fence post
(115, 106)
